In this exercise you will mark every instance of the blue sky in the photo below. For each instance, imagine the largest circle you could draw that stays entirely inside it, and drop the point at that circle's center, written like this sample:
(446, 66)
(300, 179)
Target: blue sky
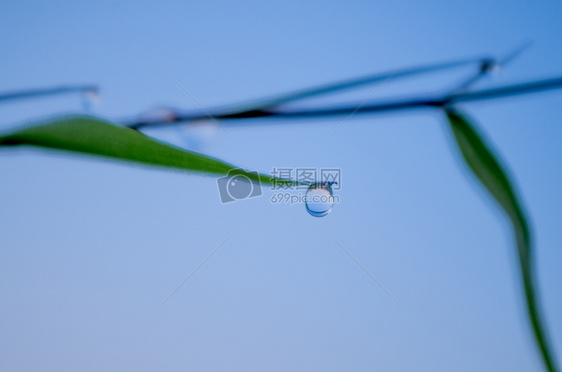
(91, 248)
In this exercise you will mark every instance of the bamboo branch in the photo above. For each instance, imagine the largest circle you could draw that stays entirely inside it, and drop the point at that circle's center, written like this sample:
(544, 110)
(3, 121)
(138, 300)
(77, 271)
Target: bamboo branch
(397, 105)
(37, 93)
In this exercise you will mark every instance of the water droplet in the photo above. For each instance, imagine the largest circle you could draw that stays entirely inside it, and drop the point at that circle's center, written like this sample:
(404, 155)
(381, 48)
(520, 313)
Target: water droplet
(90, 98)
(319, 199)
(197, 134)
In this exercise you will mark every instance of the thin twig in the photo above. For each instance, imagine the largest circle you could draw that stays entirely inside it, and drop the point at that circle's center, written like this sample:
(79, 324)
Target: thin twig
(211, 117)
(36, 93)
(488, 66)
(398, 105)
(260, 109)
(362, 104)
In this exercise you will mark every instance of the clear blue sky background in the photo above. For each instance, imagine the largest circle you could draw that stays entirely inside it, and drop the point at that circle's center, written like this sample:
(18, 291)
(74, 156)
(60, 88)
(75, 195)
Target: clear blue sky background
(90, 248)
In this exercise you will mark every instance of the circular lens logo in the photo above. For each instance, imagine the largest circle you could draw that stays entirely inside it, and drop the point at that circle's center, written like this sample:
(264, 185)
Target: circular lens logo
(239, 187)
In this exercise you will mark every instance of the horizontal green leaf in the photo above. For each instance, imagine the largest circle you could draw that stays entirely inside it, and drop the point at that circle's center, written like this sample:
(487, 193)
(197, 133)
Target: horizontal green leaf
(97, 137)
(489, 172)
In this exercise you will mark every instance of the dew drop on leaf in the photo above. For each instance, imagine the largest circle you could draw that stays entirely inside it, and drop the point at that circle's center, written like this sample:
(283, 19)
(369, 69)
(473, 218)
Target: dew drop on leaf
(319, 199)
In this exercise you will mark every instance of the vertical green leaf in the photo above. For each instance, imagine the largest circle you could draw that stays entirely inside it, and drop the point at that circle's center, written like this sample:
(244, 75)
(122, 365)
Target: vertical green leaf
(481, 161)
